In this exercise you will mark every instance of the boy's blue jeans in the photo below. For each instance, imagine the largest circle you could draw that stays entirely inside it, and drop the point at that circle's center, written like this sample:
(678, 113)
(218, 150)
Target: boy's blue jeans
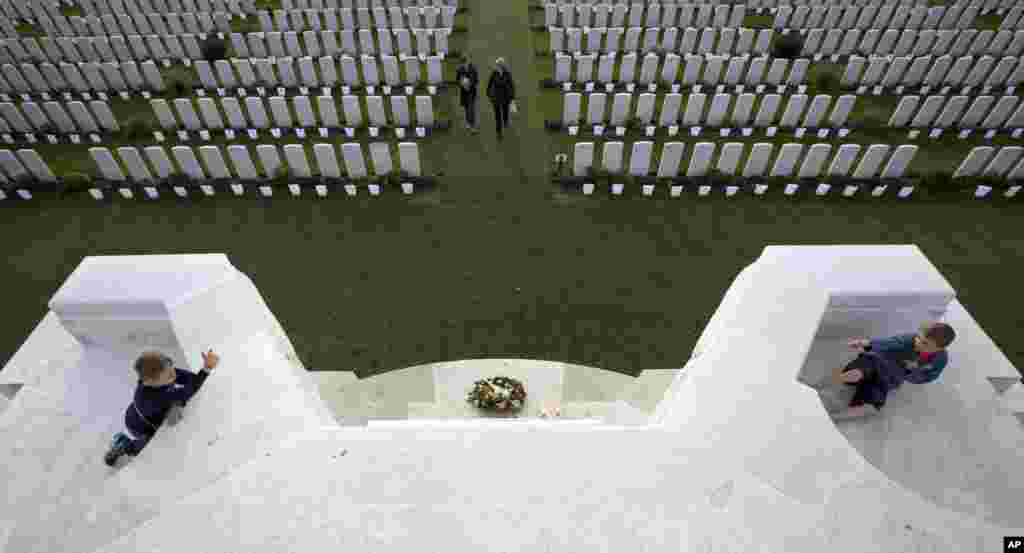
(135, 444)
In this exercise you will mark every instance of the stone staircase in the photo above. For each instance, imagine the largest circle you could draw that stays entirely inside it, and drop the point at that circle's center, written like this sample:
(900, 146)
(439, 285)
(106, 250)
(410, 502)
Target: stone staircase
(1012, 396)
(582, 393)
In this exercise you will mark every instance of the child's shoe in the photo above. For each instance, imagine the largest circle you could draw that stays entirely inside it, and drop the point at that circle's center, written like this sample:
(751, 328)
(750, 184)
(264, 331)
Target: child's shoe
(117, 449)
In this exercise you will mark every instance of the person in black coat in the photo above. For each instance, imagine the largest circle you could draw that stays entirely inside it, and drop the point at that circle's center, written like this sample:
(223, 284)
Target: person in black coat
(502, 92)
(468, 80)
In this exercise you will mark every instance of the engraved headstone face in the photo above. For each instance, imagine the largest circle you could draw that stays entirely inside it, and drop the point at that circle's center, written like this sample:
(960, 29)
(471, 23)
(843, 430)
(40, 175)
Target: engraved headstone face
(670, 109)
(844, 159)
(257, 114)
(280, 112)
(899, 162)
(719, 107)
(816, 112)
(105, 162)
(785, 163)
(791, 116)
(928, 112)
(871, 162)
(640, 158)
(583, 158)
(814, 161)
(757, 163)
(612, 157)
(694, 113)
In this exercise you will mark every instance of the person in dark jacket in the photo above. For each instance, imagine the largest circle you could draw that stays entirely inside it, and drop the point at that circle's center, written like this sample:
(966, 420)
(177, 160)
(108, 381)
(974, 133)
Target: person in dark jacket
(884, 364)
(502, 92)
(468, 80)
(161, 392)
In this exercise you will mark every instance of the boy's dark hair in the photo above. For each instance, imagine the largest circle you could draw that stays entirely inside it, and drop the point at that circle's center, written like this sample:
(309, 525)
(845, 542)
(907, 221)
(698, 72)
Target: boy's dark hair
(942, 334)
(151, 364)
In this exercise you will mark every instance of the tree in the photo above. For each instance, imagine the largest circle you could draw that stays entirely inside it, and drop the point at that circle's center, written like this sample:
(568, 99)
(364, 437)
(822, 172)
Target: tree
(214, 48)
(788, 46)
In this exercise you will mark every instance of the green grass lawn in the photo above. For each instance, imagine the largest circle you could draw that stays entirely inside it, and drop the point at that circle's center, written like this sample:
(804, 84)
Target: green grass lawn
(497, 261)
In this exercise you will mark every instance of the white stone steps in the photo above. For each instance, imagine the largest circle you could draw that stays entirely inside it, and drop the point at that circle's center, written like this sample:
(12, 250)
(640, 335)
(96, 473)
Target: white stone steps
(51, 457)
(1013, 398)
(1003, 383)
(586, 409)
(590, 384)
(317, 481)
(234, 418)
(648, 389)
(481, 423)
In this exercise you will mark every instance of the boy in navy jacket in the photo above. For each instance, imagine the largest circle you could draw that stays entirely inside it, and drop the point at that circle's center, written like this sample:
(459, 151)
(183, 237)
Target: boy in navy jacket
(883, 365)
(161, 393)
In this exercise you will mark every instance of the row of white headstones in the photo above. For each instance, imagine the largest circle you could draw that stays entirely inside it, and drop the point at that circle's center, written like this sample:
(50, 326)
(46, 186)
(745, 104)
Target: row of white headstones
(186, 47)
(1007, 162)
(818, 43)
(245, 169)
(937, 112)
(85, 78)
(40, 12)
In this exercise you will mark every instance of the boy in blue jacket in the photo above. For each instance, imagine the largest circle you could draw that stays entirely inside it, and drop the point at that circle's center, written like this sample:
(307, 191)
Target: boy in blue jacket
(883, 365)
(161, 393)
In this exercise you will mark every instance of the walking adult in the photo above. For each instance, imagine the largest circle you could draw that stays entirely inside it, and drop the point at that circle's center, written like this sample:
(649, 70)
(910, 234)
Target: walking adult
(468, 80)
(502, 92)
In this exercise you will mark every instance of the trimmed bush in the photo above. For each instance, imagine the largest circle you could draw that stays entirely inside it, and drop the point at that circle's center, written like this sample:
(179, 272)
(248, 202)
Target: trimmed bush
(827, 83)
(214, 48)
(180, 88)
(788, 46)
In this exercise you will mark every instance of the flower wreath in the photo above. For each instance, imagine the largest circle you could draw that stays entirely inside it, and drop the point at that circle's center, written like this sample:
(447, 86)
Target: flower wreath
(498, 393)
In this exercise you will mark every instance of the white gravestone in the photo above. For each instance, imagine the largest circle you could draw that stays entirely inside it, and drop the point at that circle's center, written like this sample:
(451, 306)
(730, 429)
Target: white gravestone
(240, 159)
(757, 163)
(326, 160)
(214, 162)
(136, 166)
(671, 156)
(791, 116)
(187, 161)
(1004, 159)
(871, 162)
(814, 161)
(717, 112)
(844, 159)
(187, 114)
(817, 110)
(269, 158)
(974, 162)
(700, 160)
(233, 112)
(729, 159)
(355, 165)
(298, 165)
(768, 110)
(611, 157)
(899, 162)
(694, 113)
(842, 109)
(670, 110)
(328, 111)
(786, 162)
(640, 158)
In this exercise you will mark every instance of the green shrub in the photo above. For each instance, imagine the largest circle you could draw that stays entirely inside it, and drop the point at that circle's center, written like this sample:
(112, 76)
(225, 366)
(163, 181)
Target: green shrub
(788, 46)
(214, 48)
(139, 129)
(76, 182)
(180, 88)
(827, 82)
